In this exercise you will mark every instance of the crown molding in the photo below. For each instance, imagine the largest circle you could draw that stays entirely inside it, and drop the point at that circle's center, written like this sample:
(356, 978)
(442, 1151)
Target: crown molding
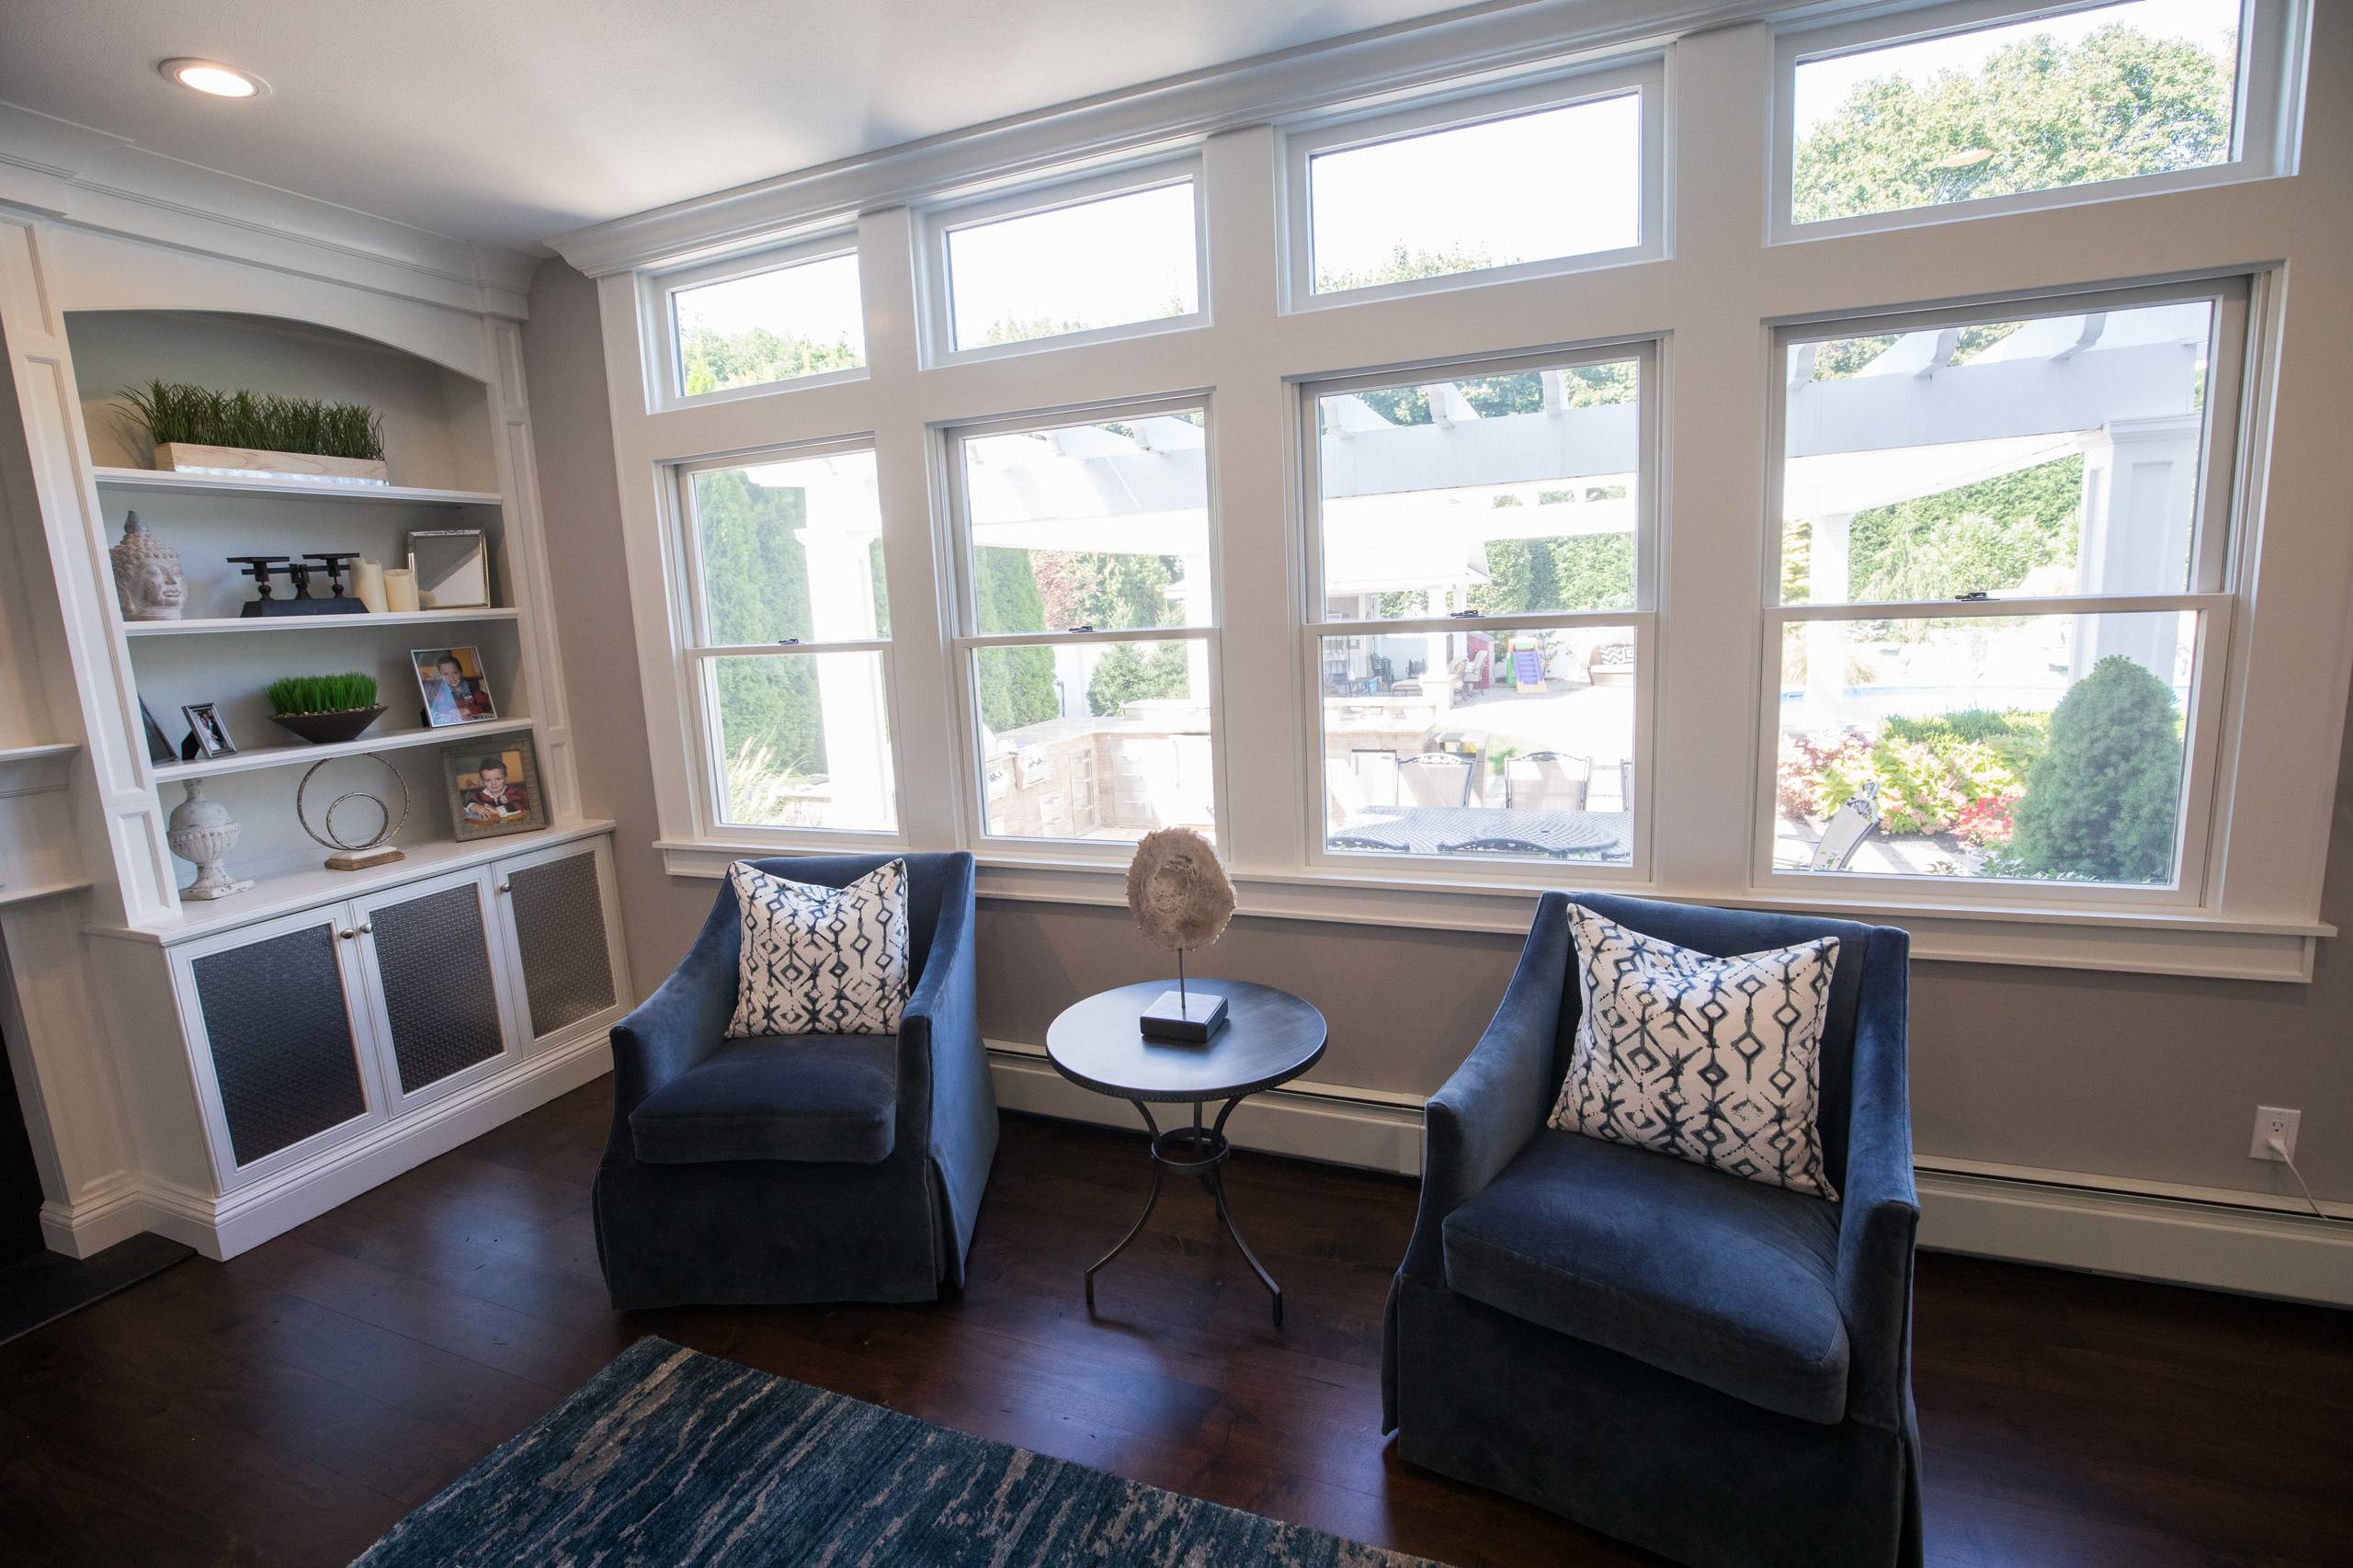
(1360, 68)
(92, 179)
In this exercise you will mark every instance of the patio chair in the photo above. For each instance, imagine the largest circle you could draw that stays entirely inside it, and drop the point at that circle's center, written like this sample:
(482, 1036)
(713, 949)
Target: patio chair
(1851, 826)
(1435, 778)
(1359, 841)
(1500, 846)
(1548, 781)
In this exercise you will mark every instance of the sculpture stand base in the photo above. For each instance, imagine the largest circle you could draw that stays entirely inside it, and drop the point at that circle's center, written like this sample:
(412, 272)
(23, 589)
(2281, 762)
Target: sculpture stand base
(1190, 1015)
(361, 859)
(213, 882)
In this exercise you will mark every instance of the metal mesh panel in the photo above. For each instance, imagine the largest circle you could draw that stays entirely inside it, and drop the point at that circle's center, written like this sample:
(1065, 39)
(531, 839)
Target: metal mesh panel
(281, 1040)
(432, 957)
(560, 932)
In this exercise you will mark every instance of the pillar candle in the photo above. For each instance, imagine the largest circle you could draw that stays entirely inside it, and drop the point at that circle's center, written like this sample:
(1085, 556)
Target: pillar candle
(368, 586)
(400, 589)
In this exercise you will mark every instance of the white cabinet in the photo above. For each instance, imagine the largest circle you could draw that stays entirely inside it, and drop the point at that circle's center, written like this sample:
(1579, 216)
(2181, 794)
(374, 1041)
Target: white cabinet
(355, 1021)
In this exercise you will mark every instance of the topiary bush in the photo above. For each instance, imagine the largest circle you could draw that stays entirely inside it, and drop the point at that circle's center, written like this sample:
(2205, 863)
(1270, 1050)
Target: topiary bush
(2100, 804)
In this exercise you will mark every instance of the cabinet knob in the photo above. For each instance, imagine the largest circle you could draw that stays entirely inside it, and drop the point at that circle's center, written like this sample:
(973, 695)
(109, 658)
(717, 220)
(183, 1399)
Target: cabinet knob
(367, 930)
(506, 887)
(347, 936)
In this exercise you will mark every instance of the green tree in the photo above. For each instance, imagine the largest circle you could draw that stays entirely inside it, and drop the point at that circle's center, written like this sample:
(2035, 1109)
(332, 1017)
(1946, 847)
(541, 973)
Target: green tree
(1127, 674)
(756, 585)
(719, 362)
(2101, 801)
(2038, 115)
(1016, 685)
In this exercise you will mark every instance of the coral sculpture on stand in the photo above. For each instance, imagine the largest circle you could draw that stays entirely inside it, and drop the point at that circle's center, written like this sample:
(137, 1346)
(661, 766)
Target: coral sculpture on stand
(1181, 898)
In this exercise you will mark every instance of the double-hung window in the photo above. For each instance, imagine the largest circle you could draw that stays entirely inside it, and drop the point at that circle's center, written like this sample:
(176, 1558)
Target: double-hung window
(792, 316)
(1481, 632)
(1998, 628)
(789, 640)
(1087, 622)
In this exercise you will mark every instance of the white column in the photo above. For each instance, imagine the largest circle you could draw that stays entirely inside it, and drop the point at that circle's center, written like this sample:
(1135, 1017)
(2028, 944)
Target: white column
(840, 525)
(1827, 641)
(2140, 510)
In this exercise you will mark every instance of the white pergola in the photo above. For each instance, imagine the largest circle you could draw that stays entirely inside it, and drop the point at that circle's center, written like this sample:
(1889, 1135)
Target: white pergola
(1413, 507)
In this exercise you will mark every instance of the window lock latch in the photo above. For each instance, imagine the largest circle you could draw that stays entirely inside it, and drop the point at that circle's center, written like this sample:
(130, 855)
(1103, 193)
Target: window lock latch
(1082, 626)
(788, 641)
(1464, 615)
(1975, 596)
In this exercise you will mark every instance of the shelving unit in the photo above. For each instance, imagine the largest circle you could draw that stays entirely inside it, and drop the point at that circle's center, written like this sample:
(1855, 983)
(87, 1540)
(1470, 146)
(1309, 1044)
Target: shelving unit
(318, 622)
(291, 487)
(305, 752)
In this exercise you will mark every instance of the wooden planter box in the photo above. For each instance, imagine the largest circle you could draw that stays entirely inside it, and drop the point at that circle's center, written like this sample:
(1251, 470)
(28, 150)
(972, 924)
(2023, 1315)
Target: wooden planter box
(179, 456)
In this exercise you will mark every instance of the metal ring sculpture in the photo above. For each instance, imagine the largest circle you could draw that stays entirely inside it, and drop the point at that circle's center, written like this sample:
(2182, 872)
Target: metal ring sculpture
(333, 840)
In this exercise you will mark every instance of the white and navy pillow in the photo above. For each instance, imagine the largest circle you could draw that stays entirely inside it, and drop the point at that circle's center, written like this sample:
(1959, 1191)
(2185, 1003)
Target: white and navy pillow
(1717, 1061)
(819, 959)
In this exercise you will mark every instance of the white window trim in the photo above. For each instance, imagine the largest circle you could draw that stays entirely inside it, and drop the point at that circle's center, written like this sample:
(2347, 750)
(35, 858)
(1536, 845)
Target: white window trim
(2269, 100)
(698, 655)
(1713, 301)
(966, 640)
(1645, 77)
(937, 223)
(1640, 618)
(664, 382)
(2207, 593)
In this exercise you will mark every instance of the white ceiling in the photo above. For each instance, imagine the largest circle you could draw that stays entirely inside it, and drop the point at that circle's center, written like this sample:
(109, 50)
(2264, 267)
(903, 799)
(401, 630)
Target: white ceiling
(511, 120)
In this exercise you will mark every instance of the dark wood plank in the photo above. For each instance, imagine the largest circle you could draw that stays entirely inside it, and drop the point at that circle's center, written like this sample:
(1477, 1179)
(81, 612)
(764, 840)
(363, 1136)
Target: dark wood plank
(284, 1407)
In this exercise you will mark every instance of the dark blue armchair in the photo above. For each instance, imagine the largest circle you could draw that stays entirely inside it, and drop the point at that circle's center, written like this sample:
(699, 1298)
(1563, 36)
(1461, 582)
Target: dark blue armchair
(803, 1168)
(1710, 1368)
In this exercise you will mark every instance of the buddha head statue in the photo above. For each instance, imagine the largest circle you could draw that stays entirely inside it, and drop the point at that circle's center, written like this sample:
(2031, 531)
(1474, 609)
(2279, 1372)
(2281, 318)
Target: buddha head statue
(147, 580)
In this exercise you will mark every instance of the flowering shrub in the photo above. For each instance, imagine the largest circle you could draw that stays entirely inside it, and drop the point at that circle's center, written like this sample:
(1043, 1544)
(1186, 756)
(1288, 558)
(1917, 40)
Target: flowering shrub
(1959, 773)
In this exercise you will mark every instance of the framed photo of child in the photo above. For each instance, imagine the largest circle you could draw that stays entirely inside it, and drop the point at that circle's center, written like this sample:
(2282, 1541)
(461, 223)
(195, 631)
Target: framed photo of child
(453, 686)
(493, 788)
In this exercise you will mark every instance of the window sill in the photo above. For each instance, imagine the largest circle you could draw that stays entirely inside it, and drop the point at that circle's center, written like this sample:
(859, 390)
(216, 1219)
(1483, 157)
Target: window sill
(2190, 943)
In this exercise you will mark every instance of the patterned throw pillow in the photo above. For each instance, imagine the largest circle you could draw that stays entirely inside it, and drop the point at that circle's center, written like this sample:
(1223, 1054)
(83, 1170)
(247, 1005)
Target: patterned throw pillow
(819, 959)
(1715, 1060)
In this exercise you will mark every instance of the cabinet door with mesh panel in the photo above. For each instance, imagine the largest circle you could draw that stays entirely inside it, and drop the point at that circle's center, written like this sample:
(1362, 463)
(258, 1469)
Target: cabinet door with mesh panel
(561, 933)
(437, 983)
(278, 1013)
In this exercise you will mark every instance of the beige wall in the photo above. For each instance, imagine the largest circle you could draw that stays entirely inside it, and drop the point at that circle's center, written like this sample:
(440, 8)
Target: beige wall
(2120, 1075)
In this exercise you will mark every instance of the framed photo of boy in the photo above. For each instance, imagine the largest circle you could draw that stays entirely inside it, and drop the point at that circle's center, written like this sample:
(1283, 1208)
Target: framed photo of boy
(493, 788)
(451, 682)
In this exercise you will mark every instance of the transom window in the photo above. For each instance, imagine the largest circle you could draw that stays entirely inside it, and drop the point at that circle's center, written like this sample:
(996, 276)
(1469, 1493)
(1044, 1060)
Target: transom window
(1112, 255)
(1950, 106)
(1089, 621)
(1479, 642)
(1514, 183)
(795, 316)
(791, 638)
(2002, 562)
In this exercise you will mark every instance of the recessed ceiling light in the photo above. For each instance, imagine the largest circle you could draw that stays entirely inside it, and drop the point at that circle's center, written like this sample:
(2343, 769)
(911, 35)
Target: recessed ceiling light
(211, 76)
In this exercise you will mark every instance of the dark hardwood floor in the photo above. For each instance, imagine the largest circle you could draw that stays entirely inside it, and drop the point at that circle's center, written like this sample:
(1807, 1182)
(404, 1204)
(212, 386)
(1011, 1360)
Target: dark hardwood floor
(286, 1406)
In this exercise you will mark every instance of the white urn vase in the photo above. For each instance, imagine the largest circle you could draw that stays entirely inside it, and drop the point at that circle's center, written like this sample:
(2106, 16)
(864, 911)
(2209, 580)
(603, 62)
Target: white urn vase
(200, 830)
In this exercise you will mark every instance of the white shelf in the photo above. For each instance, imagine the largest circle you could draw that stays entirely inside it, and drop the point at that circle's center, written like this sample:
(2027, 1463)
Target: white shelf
(315, 622)
(303, 751)
(27, 892)
(304, 489)
(39, 753)
(283, 893)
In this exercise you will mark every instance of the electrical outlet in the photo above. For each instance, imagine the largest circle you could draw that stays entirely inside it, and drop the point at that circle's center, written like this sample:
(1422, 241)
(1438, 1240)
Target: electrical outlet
(2270, 1122)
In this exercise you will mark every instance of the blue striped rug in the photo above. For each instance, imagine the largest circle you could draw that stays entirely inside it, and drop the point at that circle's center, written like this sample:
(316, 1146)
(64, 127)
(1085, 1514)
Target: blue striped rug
(669, 1458)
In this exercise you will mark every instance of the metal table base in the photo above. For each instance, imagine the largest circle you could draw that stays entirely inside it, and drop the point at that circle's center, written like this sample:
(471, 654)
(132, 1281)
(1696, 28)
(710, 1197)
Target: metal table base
(1196, 1151)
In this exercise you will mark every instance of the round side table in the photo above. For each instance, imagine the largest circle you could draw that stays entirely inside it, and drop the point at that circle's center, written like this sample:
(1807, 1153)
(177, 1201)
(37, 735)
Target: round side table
(1270, 1037)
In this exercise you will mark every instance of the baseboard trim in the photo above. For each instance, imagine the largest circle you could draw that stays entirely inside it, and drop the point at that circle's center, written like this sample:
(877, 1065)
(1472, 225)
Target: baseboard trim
(222, 1227)
(2247, 1244)
(2249, 1250)
(95, 1221)
(1368, 1129)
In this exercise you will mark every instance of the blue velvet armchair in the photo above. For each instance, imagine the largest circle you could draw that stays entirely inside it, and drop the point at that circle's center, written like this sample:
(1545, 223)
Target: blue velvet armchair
(1708, 1367)
(809, 1167)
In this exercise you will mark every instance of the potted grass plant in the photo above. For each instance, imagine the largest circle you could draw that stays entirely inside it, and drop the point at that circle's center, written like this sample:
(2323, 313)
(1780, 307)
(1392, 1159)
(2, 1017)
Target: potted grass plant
(198, 430)
(325, 710)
